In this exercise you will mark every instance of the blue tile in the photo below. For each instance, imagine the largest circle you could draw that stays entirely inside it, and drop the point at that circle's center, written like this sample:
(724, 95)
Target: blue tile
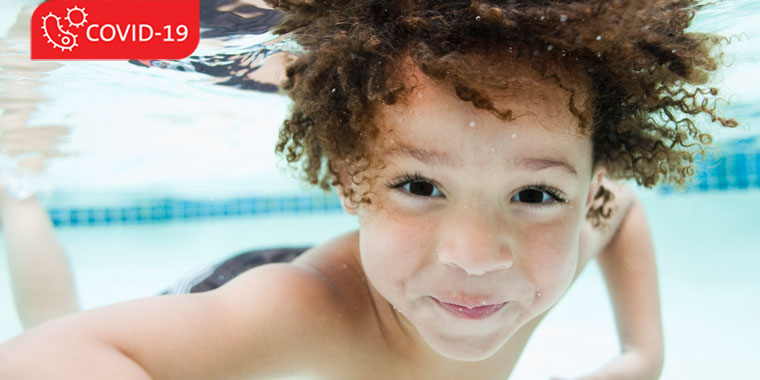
(702, 176)
(217, 208)
(55, 216)
(741, 174)
(718, 173)
(232, 207)
(75, 217)
(246, 206)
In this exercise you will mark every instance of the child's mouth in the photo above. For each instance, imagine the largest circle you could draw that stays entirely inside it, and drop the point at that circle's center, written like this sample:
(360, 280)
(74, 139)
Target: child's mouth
(476, 312)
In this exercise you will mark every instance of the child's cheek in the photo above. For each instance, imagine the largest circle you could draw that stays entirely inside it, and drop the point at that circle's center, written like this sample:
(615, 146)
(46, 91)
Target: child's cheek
(550, 260)
(393, 248)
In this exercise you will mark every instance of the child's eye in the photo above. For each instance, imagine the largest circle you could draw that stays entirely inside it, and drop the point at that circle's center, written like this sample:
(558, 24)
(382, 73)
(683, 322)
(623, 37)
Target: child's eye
(425, 189)
(415, 184)
(538, 195)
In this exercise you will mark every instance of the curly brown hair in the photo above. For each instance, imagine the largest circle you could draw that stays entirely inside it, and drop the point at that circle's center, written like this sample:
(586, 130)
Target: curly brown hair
(649, 76)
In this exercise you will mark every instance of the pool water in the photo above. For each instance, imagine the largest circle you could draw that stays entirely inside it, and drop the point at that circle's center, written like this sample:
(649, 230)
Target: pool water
(144, 140)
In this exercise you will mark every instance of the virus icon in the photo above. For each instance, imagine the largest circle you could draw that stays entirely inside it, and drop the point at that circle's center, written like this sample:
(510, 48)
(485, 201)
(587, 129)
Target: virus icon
(78, 14)
(56, 35)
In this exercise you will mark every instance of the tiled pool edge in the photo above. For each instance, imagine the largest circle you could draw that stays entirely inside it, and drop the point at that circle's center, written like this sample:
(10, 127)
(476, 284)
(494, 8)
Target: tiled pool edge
(728, 172)
(737, 171)
(151, 211)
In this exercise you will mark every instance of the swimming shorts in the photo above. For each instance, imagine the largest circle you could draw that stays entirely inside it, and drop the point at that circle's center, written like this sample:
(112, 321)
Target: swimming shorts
(212, 277)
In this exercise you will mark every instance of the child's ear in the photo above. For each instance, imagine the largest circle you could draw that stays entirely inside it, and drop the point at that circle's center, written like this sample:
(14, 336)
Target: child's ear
(345, 202)
(596, 184)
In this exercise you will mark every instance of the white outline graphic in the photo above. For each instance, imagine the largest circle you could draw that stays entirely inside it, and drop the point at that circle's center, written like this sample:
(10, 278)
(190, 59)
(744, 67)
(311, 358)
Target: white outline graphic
(66, 40)
(76, 24)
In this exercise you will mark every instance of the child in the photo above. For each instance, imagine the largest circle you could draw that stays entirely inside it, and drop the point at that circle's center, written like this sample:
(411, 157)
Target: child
(474, 141)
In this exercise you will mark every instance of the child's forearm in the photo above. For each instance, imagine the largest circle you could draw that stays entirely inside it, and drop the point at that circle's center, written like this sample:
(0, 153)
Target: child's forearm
(630, 271)
(42, 355)
(633, 365)
(41, 279)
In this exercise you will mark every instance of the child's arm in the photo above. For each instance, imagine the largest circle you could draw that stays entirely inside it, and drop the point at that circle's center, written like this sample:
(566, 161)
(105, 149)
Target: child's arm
(629, 268)
(274, 320)
(41, 279)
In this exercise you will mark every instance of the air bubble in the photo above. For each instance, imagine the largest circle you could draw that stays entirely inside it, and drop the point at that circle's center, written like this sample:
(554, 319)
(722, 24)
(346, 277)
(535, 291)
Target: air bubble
(419, 95)
(538, 292)
(514, 135)
(550, 47)
(578, 39)
(477, 18)
(542, 17)
(599, 37)
(460, 309)
(333, 90)
(472, 123)
(536, 52)
(563, 18)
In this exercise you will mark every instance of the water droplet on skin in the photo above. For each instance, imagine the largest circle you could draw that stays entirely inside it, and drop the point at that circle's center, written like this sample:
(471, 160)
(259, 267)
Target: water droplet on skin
(477, 18)
(542, 17)
(472, 123)
(483, 303)
(599, 38)
(550, 47)
(333, 90)
(460, 309)
(563, 18)
(538, 292)
(674, 51)
(345, 265)
(514, 135)
(419, 95)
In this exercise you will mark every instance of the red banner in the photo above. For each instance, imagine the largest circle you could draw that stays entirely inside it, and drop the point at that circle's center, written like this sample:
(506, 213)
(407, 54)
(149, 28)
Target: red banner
(115, 29)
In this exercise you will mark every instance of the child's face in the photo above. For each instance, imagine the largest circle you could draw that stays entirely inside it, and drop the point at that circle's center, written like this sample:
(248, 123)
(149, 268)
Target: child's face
(476, 211)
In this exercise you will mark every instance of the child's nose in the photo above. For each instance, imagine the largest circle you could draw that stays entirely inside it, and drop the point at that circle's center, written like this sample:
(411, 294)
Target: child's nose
(475, 242)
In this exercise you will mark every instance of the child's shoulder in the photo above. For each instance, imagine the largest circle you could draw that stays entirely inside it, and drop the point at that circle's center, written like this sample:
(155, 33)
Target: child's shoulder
(319, 297)
(287, 312)
(322, 281)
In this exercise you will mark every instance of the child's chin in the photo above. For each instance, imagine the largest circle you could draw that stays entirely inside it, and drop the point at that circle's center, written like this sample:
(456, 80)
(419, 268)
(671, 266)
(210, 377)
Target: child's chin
(469, 349)
(469, 354)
